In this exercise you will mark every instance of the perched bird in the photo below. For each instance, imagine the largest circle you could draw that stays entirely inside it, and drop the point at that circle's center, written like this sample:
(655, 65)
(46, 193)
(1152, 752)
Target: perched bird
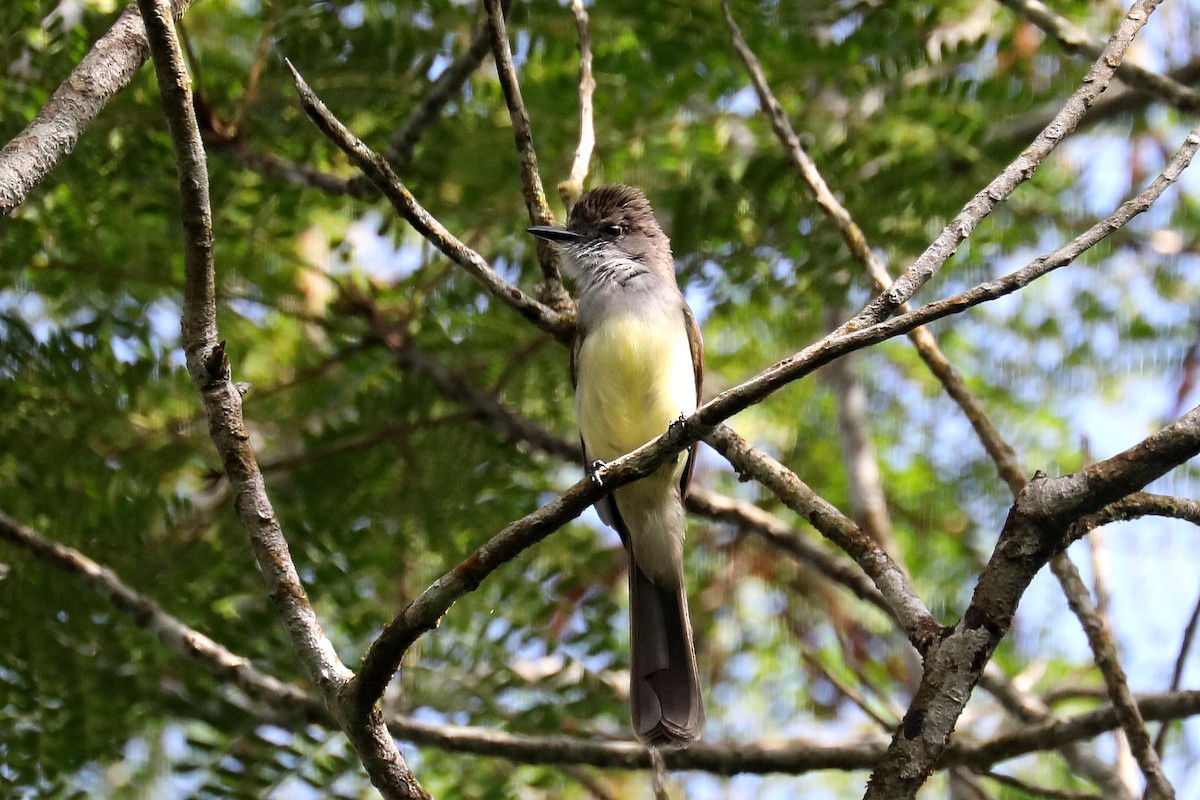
(637, 366)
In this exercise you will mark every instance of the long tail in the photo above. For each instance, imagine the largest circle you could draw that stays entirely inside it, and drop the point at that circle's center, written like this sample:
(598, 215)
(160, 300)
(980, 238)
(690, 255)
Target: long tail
(664, 686)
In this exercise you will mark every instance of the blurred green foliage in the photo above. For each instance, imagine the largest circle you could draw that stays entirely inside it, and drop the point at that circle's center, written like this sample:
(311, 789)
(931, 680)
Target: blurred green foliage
(382, 483)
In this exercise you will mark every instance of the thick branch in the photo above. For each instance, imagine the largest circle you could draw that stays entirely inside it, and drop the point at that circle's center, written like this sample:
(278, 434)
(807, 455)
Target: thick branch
(1037, 528)
(105, 70)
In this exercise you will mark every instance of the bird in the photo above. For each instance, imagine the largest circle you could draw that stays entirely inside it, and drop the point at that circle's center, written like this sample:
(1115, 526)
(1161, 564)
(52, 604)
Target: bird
(637, 366)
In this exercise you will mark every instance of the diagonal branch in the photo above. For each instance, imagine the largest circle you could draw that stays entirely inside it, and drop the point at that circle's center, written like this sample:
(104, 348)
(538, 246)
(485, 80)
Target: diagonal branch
(856, 242)
(1038, 527)
(1185, 646)
(905, 605)
(745, 516)
(403, 143)
(1122, 100)
(448, 84)
(111, 63)
(148, 614)
(210, 372)
(1104, 649)
(1002, 454)
(375, 167)
(1020, 170)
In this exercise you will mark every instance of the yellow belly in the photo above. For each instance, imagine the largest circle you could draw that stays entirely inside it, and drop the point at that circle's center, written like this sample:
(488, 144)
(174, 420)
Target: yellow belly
(634, 376)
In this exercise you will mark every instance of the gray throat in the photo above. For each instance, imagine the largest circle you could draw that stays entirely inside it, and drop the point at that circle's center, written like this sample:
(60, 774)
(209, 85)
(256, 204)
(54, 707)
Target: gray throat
(625, 286)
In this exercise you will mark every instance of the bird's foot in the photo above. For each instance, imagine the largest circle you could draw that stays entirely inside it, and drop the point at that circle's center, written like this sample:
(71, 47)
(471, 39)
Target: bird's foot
(596, 471)
(677, 423)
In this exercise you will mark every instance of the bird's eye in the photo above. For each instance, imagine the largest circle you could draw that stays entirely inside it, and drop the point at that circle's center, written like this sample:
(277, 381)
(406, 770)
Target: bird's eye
(614, 231)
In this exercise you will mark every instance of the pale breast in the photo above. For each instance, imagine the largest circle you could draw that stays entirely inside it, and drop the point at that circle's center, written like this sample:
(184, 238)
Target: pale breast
(634, 375)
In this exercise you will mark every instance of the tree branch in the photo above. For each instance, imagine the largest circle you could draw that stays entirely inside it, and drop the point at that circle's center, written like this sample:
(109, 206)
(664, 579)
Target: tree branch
(750, 518)
(375, 167)
(793, 756)
(1074, 39)
(1038, 526)
(1020, 170)
(109, 65)
(403, 143)
(1185, 646)
(210, 372)
(906, 606)
(427, 609)
(148, 614)
(553, 292)
(1104, 649)
(447, 85)
(571, 189)
(1115, 102)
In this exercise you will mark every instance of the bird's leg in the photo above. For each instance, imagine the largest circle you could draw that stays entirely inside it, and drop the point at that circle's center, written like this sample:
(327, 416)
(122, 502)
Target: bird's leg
(677, 423)
(596, 472)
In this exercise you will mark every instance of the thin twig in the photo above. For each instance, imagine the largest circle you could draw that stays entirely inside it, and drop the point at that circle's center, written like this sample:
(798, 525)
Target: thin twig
(868, 504)
(403, 143)
(1028, 707)
(1115, 102)
(849, 692)
(1039, 791)
(444, 89)
(1185, 646)
(906, 606)
(148, 614)
(209, 368)
(571, 189)
(554, 294)
(752, 519)
(261, 50)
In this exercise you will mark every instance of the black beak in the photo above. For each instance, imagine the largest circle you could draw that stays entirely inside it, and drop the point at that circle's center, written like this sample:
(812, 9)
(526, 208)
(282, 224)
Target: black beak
(554, 234)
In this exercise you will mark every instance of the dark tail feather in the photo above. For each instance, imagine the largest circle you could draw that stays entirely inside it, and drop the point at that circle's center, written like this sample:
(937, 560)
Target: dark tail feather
(664, 687)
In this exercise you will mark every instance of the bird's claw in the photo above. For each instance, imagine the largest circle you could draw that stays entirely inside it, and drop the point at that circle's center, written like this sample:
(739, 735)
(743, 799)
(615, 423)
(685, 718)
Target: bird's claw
(677, 423)
(596, 471)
